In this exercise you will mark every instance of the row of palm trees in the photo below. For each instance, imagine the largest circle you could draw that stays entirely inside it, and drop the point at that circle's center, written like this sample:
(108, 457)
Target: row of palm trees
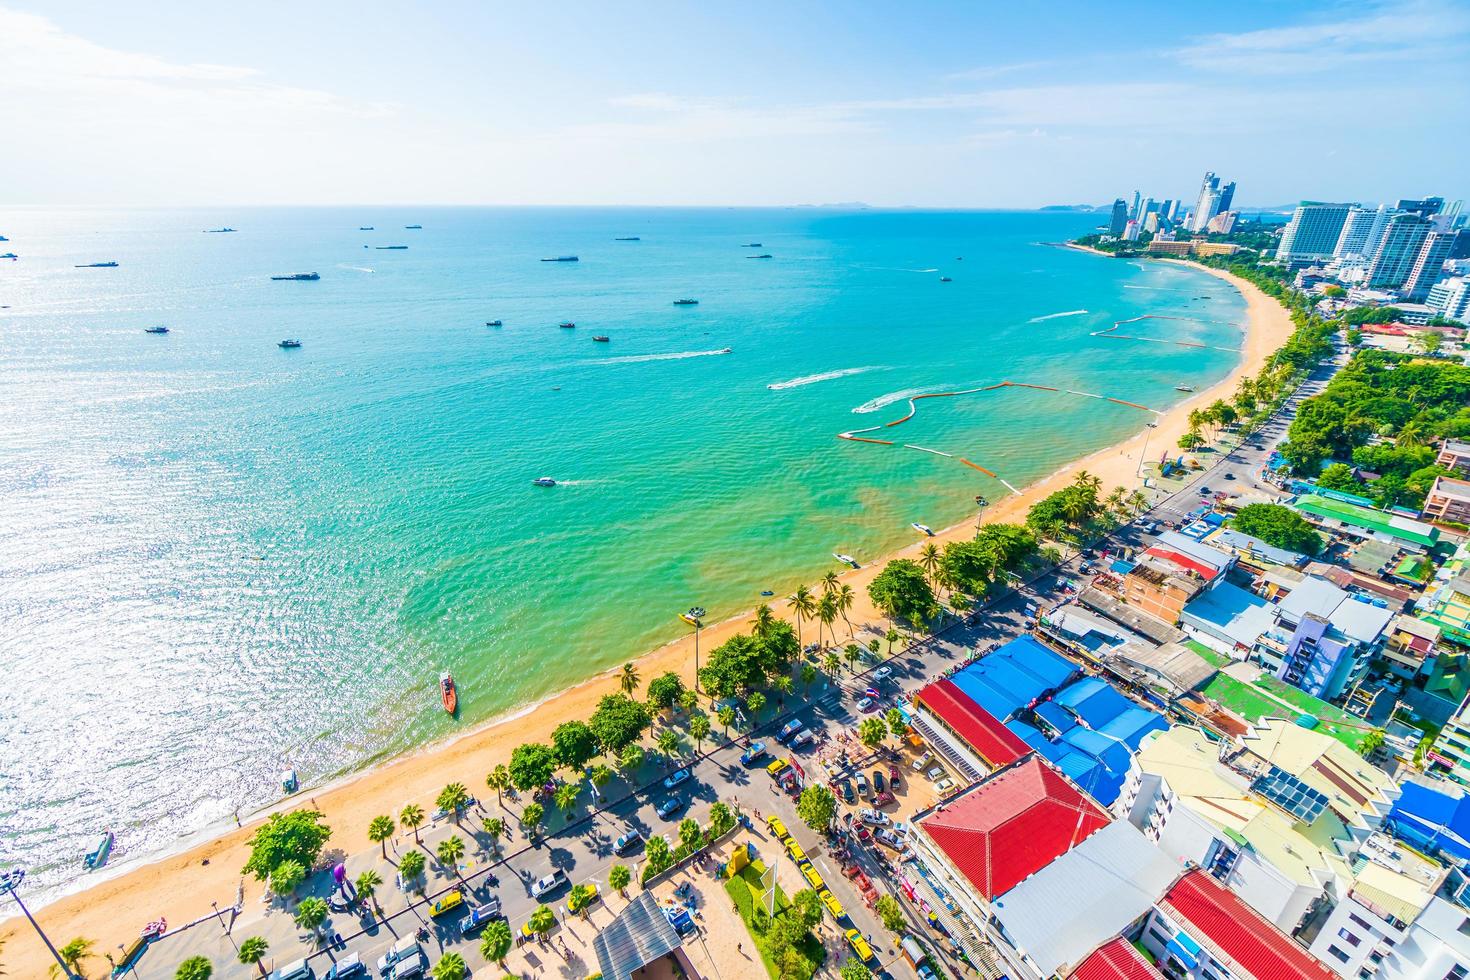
(836, 600)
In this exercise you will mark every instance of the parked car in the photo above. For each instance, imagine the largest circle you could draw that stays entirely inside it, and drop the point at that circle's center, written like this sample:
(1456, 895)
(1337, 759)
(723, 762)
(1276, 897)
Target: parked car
(777, 767)
(803, 739)
(404, 955)
(935, 773)
(446, 903)
(550, 883)
(676, 778)
(860, 947)
(862, 783)
(889, 838)
(882, 799)
(669, 807)
(879, 785)
(296, 970)
(847, 793)
(479, 915)
(875, 817)
(627, 842)
(867, 704)
(788, 730)
(751, 755)
(944, 785)
(777, 827)
(346, 967)
(922, 761)
(883, 673)
(893, 776)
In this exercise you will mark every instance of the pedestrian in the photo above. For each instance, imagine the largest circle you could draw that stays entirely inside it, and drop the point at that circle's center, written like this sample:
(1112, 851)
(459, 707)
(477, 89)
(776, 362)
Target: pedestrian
(740, 948)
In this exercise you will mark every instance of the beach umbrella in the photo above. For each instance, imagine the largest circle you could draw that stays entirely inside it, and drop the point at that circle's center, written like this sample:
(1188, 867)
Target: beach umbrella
(339, 874)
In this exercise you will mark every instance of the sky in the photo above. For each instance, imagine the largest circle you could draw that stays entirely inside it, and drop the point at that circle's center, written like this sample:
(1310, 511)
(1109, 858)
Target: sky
(752, 103)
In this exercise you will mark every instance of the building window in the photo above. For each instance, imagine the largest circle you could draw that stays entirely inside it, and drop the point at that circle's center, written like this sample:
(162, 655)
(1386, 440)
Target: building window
(1359, 922)
(1157, 936)
(1352, 940)
(1457, 972)
(1338, 954)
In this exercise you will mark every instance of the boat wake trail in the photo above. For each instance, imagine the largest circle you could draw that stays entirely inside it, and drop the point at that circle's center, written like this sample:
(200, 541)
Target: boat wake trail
(354, 268)
(1056, 316)
(811, 379)
(641, 358)
(883, 401)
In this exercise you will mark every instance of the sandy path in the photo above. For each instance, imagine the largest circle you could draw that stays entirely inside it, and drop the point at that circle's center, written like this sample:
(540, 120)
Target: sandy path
(182, 885)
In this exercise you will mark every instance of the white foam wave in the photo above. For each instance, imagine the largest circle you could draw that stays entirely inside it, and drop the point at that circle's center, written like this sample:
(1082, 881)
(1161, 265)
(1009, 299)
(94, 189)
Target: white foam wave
(882, 401)
(811, 379)
(354, 268)
(1056, 316)
(1162, 289)
(640, 358)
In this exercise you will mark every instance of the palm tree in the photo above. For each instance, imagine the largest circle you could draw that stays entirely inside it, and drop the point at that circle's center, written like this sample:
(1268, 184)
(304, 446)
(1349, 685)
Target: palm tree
(699, 730)
(618, 877)
(783, 687)
(764, 619)
(193, 968)
(1087, 481)
(311, 913)
(496, 941)
(874, 645)
(498, 779)
(829, 583)
(803, 604)
(1138, 501)
(808, 678)
(367, 886)
(827, 613)
(1115, 499)
(412, 817)
(600, 775)
(628, 679)
(756, 702)
(892, 637)
(929, 559)
(451, 966)
(449, 851)
(1411, 434)
(543, 920)
(379, 830)
(831, 662)
(845, 599)
(565, 798)
(852, 654)
(72, 955)
(495, 827)
(453, 799)
(252, 951)
(667, 742)
(531, 818)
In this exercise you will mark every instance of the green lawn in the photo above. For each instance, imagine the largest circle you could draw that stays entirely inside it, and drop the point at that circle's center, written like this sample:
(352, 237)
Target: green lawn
(1250, 701)
(1211, 657)
(745, 889)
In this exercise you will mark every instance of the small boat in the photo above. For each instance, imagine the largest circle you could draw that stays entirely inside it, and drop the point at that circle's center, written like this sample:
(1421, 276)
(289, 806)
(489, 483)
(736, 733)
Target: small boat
(562, 258)
(945, 279)
(218, 231)
(414, 227)
(846, 559)
(97, 265)
(366, 228)
(751, 245)
(289, 344)
(97, 856)
(767, 592)
(544, 481)
(691, 620)
(599, 339)
(154, 929)
(923, 528)
(763, 255)
(1181, 386)
(630, 238)
(566, 324)
(289, 782)
(389, 248)
(493, 323)
(447, 694)
(297, 277)
(10, 255)
(158, 329)
(724, 350)
(686, 302)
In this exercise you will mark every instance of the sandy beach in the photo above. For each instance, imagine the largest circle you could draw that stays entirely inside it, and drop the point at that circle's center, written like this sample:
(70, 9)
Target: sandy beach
(182, 885)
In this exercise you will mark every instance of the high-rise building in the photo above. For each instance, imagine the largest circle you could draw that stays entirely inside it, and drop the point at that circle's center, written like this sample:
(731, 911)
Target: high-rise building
(1223, 223)
(1394, 257)
(1428, 265)
(1426, 207)
(1450, 298)
(1175, 206)
(1166, 210)
(1360, 232)
(1119, 219)
(1131, 230)
(1151, 222)
(1227, 195)
(1208, 202)
(1133, 211)
(1312, 232)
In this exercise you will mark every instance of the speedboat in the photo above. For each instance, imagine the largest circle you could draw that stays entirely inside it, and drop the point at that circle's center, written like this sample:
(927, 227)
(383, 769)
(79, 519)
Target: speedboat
(600, 339)
(97, 856)
(751, 245)
(945, 279)
(923, 528)
(413, 227)
(544, 481)
(289, 344)
(218, 231)
(566, 324)
(97, 265)
(493, 323)
(725, 350)
(1181, 386)
(159, 329)
(846, 559)
(389, 248)
(630, 238)
(691, 620)
(686, 302)
(366, 228)
(561, 258)
(763, 255)
(448, 694)
(297, 277)
(9, 255)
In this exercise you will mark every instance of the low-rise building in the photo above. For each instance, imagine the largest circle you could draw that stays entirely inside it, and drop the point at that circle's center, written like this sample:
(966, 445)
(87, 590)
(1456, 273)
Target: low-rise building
(1451, 752)
(1409, 645)
(1448, 500)
(1228, 619)
(1364, 522)
(1322, 638)
(1448, 607)
(1172, 572)
(1455, 455)
(1252, 552)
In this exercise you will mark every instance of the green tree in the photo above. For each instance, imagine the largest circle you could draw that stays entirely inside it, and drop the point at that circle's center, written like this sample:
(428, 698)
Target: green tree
(449, 851)
(565, 797)
(600, 775)
(667, 742)
(764, 618)
(574, 744)
(75, 953)
(1279, 526)
(845, 598)
(1371, 743)
(1339, 476)
(852, 653)
(808, 678)
(451, 966)
(664, 690)
(831, 662)
(453, 799)
(891, 637)
(657, 853)
(817, 807)
(699, 730)
(618, 877)
(543, 920)
(619, 721)
(631, 758)
(689, 700)
(287, 877)
(252, 951)
(855, 969)
(195, 968)
(495, 942)
(807, 906)
(827, 615)
(410, 868)
(580, 899)
(872, 731)
(891, 913)
(628, 679)
(495, 827)
(367, 886)
(531, 765)
(531, 818)
(296, 836)
(756, 702)
(689, 833)
(412, 817)
(311, 913)
(1191, 440)
(896, 722)
(726, 714)
(498, 779)
(901, 591)
(379, 830)
(804, 605)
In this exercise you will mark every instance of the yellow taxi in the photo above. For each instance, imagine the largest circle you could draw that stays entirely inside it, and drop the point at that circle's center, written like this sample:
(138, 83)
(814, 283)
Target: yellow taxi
(794, 849)
(829, 901)
(813, 877)
(775, 769)
(859, 945)
(447, 902)
(777, 827)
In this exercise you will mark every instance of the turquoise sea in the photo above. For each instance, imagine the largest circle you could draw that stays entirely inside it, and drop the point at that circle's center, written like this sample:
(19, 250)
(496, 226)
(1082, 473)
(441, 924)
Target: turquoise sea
(222, 559)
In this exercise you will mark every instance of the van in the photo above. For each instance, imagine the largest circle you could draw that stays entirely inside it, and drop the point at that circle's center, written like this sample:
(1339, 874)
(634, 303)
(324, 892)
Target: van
(297, 970)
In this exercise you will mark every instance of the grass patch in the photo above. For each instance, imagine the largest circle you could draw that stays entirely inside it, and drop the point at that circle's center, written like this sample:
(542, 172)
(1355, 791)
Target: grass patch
(1251, 702)
(751, 897)
(1212, 657)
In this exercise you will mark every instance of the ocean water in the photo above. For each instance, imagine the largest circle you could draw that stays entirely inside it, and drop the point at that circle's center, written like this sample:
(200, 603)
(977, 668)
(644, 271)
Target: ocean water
(222, 559)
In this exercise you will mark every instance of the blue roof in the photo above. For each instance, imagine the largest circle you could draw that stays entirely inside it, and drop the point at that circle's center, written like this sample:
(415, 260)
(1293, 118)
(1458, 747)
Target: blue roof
(1109, 751)
(1052, 668)
(1055, 716)
(1100, 706)
(1091, 775)
(1132, 725)
(1431, 820)
(996, 700)
(1080, 691)
(1013, 676)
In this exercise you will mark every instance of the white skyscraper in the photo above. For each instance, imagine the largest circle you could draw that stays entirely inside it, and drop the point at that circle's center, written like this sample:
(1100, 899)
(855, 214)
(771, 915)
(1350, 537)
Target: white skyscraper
(1428, 265)
(1361, 231)
(1451, 298)
(1313, 232)
(1397, 251)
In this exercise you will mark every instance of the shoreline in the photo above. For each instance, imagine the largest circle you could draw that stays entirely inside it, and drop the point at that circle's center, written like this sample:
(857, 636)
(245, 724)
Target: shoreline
(178, 884)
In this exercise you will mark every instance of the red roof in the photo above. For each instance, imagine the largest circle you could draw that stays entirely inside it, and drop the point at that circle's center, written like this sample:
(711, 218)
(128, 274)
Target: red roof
(1237, 934)
(1115, 960)
(981, 730)
(1013, 825)
(1184, 561)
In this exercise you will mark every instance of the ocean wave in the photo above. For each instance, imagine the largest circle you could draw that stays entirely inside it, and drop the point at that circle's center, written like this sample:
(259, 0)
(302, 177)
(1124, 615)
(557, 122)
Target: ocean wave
(1056, 316)
(811, 379)
(354, 268)
(640, 358)
(883, 401)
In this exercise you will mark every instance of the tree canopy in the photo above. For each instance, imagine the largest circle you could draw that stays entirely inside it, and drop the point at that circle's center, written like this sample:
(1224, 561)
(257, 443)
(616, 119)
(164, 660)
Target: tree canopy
(746, 661)
(664, 690)
(574, 744)
(531, 765)
(296, 836)
(1279, 526)
(619, 721)
(902, 591)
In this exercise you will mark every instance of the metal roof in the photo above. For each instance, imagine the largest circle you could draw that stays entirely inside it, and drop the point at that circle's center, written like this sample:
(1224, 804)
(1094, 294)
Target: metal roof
(980, 730)
(639, 935)
(1115, 960)
(1174, 662)
(1236, 934)
(1095, 891)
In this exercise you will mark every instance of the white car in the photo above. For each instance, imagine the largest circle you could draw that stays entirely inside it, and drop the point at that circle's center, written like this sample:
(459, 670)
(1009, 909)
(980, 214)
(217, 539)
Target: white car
(873, 818)
(883, 673)
(888, 837)
(944, 786)
(549, 883)
(922, 761)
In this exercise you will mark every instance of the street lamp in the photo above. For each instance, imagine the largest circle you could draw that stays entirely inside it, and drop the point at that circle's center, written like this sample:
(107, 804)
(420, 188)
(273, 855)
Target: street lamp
(9, 882)
(980, 503)
(694, 617)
